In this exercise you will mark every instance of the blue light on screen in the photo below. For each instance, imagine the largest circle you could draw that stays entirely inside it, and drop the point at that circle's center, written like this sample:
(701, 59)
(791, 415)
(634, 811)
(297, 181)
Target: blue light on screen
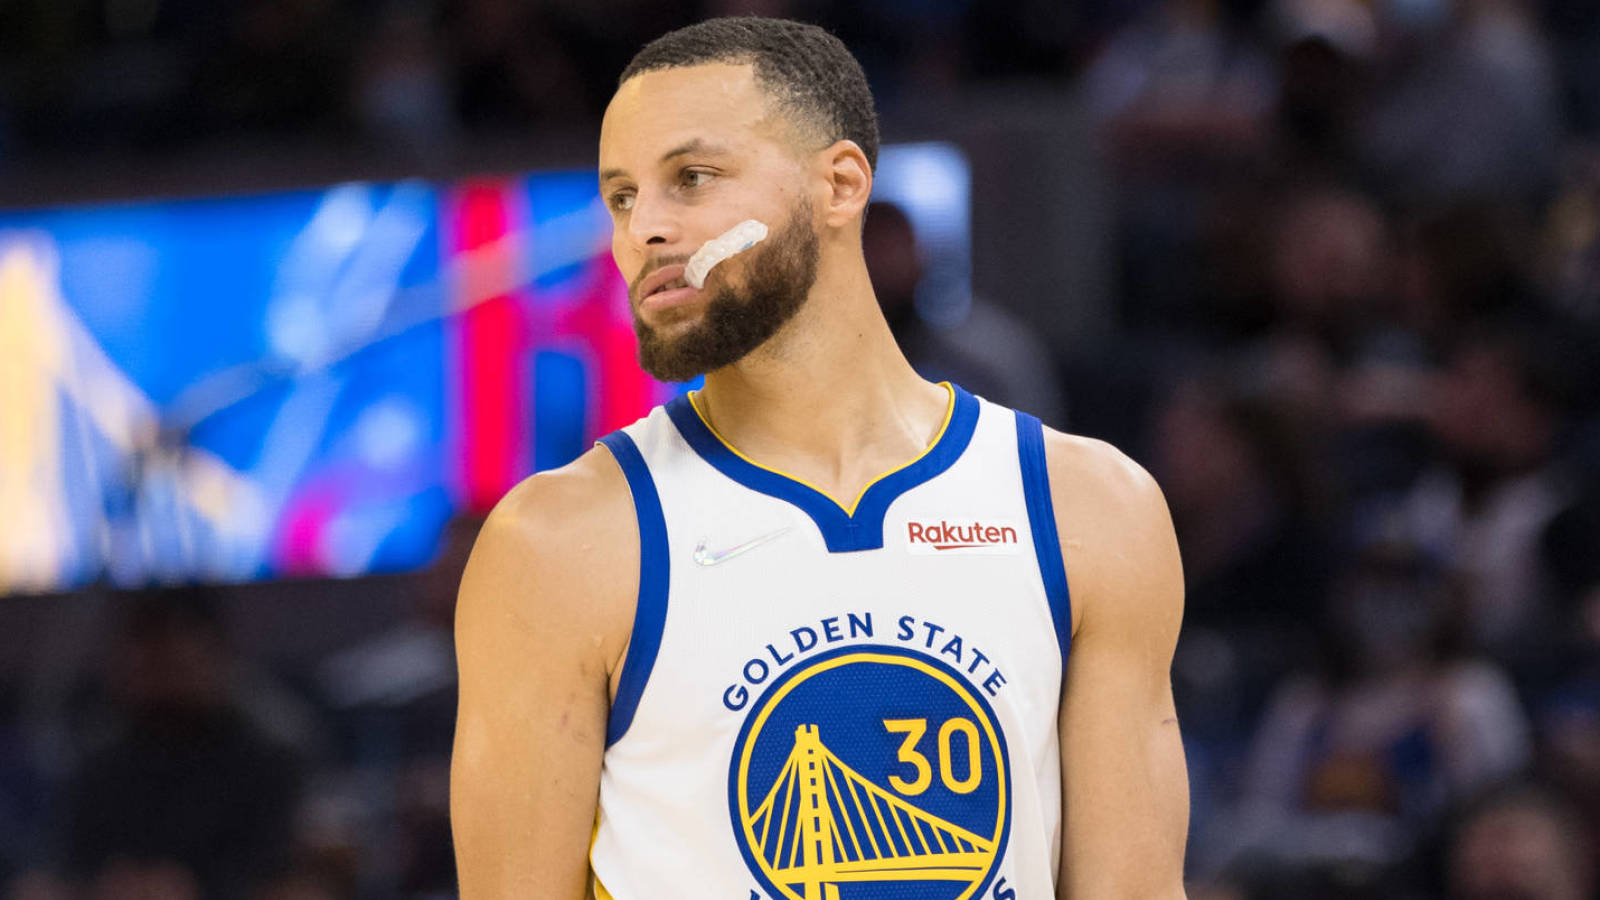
(270, 385)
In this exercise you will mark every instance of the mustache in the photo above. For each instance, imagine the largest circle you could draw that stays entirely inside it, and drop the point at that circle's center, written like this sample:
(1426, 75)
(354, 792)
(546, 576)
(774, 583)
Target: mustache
(650, 266)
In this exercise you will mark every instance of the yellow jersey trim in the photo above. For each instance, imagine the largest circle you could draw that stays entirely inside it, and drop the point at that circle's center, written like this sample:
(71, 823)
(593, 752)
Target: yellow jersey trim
(850, 510)
(596, 889)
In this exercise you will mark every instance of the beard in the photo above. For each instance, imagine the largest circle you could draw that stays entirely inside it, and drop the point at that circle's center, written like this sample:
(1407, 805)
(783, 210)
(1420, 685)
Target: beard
(735, 321)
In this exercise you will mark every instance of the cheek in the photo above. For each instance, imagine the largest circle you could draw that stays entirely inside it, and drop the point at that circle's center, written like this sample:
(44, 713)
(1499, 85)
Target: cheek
(622, 256)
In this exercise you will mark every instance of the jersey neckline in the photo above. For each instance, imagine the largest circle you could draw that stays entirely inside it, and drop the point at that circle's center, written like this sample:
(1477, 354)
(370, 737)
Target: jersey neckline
(844, 529)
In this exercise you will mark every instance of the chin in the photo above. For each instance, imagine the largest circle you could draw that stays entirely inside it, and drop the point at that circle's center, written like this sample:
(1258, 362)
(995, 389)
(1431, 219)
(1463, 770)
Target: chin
(670, 324)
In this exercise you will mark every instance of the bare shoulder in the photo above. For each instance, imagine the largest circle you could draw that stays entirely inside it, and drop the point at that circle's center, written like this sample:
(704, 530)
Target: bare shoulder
(1116, 533)
(558, 556)
(1095, 469)
(543, 615)
(1124, 784)
(566, 503)
(1096, 488)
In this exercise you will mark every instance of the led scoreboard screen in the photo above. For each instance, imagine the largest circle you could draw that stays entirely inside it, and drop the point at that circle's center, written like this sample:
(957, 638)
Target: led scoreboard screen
(314, 382)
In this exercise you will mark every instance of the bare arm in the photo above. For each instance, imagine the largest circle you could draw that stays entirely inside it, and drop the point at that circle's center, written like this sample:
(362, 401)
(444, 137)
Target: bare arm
(1125, 789)
(542, 621)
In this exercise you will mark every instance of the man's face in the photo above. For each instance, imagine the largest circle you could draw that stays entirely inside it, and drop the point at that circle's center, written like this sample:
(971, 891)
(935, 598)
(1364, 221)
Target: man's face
(685, 154)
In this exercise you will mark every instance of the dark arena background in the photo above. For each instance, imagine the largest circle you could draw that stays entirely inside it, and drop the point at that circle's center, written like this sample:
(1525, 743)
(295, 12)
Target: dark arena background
(291, 291)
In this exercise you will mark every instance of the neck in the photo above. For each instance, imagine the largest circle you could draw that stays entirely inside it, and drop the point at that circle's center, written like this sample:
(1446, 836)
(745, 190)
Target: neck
(830, 398)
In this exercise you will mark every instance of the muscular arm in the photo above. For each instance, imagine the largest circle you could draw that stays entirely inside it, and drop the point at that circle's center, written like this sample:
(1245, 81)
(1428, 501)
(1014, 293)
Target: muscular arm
(542, 620)
(1125, 791)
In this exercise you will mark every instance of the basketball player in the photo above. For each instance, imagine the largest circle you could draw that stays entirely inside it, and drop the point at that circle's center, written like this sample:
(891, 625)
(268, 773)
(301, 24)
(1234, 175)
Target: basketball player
(808, 632)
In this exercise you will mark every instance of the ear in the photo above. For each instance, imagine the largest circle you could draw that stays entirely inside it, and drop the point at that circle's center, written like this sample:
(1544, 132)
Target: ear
(848, 182)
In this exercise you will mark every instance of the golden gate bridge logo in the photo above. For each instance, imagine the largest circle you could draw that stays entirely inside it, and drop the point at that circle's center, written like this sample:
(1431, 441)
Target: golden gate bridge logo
(821, 824)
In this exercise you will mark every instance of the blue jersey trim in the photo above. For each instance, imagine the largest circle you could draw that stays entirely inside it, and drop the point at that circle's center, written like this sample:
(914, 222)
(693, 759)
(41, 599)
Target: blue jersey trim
(650, 614)
(1042, 522)
(841, 531)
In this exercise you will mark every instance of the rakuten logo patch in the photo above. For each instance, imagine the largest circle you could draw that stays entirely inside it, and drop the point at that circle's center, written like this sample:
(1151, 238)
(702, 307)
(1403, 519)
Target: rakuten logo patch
(970, 537)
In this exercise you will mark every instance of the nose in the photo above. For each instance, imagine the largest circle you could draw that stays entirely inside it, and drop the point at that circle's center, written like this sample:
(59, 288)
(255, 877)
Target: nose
(651, 222)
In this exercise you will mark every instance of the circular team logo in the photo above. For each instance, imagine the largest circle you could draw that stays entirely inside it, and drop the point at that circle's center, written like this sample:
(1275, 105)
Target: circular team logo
(871, 773)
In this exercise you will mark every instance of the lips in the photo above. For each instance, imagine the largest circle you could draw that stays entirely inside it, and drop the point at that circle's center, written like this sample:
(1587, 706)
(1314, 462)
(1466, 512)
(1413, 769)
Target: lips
(665, 289)
(664, 278)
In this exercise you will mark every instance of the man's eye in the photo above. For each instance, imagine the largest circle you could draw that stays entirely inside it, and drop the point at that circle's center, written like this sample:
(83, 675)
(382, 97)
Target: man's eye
(696, 178)
(621, 202)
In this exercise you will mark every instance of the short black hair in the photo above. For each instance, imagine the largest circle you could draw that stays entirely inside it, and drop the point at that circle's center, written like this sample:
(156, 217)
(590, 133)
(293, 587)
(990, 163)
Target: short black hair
(809, 72)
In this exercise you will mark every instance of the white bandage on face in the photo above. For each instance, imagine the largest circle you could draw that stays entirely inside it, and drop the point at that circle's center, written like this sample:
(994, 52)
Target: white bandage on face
(737, 239)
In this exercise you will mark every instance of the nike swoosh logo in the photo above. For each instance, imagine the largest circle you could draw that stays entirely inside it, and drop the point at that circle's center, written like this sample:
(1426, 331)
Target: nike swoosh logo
(710, 558)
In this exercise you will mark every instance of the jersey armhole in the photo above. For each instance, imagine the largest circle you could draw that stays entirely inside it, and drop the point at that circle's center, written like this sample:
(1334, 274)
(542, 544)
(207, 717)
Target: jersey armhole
(1042, 525)
(650, 612)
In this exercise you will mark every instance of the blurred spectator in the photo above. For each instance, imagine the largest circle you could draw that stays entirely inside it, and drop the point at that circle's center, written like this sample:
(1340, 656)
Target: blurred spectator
(990, 353)
(1181, 98)
(402, 90)
(1325, 61)
(1520, 843)
(1568, 684)
(1469, 106)
(1326, 289)
(187, 798)
(397, 688)
(1330, 269)
(1496, 412)
(1461, 263)
(1574, 30)
(1182, 79)
(911, 50)
(515, 66)
(1351, 762)
(393, 696)
(1570, 264)
(23, 791)
(1246, 506)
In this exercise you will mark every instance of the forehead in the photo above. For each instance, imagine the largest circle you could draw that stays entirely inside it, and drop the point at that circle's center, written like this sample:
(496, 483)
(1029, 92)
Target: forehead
(662, 109)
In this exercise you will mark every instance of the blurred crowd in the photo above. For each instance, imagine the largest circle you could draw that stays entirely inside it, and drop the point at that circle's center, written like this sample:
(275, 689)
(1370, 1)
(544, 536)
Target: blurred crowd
(124, 76)
(1358, 295)
(287, 742)
(1361, 284)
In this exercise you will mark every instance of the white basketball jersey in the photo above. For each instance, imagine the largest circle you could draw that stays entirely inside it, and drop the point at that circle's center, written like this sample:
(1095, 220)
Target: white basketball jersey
(821, 703)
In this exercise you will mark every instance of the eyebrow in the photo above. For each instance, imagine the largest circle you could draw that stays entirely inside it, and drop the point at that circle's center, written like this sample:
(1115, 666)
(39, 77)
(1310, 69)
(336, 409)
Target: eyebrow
(693, 145)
